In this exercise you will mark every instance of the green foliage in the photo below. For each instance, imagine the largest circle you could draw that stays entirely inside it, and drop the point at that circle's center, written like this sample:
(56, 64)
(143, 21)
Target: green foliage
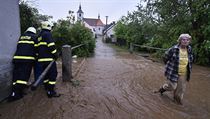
(137, 27)
(82, 35)
(61, 33)
(160, 23)
(74, 34)
(29, 16)
(121, 30)
(64, 31)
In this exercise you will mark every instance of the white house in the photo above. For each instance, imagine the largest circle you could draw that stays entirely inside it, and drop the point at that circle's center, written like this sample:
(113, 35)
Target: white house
(109, 32)
(94, 24)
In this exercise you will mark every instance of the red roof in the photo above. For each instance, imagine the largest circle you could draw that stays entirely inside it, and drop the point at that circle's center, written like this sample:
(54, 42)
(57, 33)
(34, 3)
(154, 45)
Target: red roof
(93, 22)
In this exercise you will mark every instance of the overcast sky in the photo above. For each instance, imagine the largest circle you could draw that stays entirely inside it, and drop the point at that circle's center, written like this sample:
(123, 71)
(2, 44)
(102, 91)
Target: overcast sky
(114, 9)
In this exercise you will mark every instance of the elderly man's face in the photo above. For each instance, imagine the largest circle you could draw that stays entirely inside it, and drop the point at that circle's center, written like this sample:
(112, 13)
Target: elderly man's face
(184, 41)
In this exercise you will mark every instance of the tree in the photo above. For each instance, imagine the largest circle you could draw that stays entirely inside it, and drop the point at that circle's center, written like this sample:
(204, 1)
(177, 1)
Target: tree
(184, 16)
(137, 27)
(66, 32)
(160, 23)
(71, 17)
(82, 35)
(29, 16)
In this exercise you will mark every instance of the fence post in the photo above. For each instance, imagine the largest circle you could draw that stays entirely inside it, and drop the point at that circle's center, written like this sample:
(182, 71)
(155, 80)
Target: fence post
(66, 63)
(131, 48)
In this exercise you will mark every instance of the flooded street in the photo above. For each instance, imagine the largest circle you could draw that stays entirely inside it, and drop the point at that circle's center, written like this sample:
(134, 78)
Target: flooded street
(115, 85)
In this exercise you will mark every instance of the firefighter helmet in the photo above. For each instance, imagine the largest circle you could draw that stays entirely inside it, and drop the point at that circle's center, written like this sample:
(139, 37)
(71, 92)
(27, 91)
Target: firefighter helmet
(31, 29)
(47, 25)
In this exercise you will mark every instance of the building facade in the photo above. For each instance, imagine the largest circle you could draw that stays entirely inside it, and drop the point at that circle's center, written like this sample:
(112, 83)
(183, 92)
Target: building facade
(94, 24)
(9, 32)
(109, 32)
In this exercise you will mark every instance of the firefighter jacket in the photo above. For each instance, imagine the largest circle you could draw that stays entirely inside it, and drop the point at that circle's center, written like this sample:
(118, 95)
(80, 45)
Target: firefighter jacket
(46, 47)
(26, 48)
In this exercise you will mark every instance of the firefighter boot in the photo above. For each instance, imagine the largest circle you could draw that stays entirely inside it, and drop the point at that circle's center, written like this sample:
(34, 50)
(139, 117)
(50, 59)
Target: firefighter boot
(52, 94)
(51, 91)
(14, 97)
(16, 94)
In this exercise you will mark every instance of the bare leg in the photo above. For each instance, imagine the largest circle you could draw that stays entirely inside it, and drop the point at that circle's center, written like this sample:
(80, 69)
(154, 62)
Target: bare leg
(179, 92)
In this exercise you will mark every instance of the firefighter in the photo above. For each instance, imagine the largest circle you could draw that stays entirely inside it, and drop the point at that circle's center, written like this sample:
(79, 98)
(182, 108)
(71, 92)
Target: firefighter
(23, 61)
(47, 53)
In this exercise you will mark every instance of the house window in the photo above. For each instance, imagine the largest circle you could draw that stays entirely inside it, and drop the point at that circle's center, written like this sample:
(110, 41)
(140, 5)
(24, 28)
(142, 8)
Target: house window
(99, 29)
(79, 15)
(94, 29)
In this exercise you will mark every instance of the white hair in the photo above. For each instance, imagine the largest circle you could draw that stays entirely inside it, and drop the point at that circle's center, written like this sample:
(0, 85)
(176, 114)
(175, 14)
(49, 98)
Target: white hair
(184, 36)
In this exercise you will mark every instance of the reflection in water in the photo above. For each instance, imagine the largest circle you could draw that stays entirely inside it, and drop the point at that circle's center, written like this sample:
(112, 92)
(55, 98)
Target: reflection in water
(102, 50)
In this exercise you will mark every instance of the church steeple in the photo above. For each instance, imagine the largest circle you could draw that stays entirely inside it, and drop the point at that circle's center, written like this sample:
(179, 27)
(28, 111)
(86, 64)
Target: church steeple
(80, 13)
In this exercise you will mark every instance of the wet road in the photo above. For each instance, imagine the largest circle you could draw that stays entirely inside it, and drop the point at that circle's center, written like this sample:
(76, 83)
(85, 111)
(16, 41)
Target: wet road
(116, 85)
(103, 51)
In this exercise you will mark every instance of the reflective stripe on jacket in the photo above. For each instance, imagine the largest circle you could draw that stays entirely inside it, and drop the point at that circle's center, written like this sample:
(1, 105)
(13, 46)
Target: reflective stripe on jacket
(26, 48)
(46, 47)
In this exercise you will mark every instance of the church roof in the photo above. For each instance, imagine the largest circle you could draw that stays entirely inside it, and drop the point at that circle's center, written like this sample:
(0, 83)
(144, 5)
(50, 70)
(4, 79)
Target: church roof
(93, 22)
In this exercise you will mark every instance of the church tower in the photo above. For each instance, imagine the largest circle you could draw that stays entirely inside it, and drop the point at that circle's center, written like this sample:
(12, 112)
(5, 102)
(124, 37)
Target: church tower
(80, 14)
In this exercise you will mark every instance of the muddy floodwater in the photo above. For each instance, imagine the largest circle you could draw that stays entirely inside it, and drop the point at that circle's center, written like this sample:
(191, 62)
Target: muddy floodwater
(115, 85)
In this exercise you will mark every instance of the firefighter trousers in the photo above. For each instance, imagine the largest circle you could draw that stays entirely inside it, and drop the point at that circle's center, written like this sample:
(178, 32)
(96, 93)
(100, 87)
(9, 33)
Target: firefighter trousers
(50, 77)
(21, 75)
